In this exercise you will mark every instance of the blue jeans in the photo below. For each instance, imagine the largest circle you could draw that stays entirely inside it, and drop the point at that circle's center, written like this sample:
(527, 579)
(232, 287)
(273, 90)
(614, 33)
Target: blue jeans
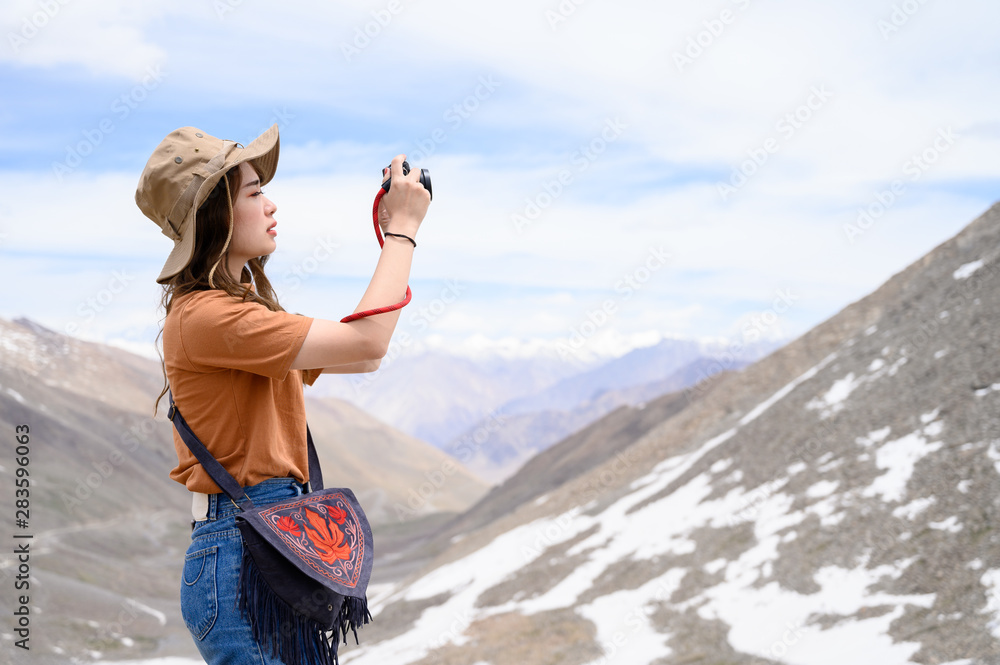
(210, 579)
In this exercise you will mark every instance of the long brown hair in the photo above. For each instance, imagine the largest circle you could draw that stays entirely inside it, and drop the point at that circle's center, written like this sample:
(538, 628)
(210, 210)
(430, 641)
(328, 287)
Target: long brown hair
(214, 224)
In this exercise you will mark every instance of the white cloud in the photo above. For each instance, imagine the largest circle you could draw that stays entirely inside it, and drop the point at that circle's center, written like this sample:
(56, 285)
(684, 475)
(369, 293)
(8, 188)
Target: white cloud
(654, 185)
(105, 37)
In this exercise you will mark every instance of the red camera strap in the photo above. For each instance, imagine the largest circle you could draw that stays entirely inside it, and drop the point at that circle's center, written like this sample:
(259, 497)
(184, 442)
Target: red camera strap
(381, 242)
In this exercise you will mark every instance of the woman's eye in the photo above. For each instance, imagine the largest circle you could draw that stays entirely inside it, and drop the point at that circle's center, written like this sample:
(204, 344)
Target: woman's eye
(258, 192)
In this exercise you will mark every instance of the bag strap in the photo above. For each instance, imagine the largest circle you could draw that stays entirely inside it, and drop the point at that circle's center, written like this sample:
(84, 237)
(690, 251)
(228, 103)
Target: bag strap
(218, 473)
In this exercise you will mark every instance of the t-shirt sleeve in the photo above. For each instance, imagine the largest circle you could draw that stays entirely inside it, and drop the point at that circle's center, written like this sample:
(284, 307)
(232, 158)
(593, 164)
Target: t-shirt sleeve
(309, 376)
(220, 331)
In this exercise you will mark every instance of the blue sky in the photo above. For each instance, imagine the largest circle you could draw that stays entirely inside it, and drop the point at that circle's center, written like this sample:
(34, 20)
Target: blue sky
(571, 143)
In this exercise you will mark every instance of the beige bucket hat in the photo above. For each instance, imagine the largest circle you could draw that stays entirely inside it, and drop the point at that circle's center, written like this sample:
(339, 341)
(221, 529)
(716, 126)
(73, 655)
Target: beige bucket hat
(180, 175)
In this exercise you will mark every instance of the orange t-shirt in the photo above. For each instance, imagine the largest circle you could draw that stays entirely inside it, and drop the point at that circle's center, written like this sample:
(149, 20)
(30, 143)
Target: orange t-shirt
(227, 364)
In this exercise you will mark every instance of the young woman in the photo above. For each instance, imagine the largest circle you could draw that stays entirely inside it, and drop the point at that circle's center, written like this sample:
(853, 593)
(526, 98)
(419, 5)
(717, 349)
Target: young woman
(236, 362)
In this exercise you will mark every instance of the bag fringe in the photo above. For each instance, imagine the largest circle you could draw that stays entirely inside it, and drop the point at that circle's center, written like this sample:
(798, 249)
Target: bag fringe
(303, 642)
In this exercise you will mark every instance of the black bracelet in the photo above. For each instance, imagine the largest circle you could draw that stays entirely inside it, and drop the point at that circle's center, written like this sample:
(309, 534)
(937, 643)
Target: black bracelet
(400, 235)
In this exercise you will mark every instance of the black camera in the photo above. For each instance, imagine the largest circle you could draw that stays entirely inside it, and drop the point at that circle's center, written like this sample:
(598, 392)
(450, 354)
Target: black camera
(425, 179)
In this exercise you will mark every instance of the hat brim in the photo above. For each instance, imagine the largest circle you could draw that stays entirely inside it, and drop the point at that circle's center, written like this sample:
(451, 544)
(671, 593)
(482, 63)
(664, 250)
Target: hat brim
(262, 153)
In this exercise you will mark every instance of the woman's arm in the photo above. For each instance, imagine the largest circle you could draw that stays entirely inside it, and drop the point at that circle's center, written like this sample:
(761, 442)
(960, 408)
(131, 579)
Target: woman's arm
(354, 368)
(335, 344)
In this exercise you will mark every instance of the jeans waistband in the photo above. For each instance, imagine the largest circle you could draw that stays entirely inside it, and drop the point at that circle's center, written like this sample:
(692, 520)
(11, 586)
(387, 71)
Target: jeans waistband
(265, 492)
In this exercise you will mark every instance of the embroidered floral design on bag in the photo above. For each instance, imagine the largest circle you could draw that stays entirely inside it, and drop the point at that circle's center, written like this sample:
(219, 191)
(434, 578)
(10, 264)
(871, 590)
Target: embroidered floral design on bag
(325, 533)
(286, 523)
(327, 538)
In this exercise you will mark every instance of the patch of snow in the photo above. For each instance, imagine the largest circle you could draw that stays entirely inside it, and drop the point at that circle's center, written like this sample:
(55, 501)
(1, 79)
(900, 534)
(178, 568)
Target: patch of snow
(940, 354)
(899, 458)
(821, 489)
(871, 330)
(934, 429)
(966, 270)
(160, 617)
(914, 508)
(765, 619)
(877, 436)
(16, 395)
(465, 579)
(735, 477)
(752, 500)
(712, 567)
(624, 629)
(964, 486)
(991, 580)
(787, 389)
(542, 499)
(377, 593)
(826, 510)
(982, 392)
(994, 455)
(830, 466)
(975, 564)
(798, 467)
(944, 315)
(893, 368)
(832, 520)
(721, 465)
(876, 365)
(951, 525)
(833, 399)
(930, 417)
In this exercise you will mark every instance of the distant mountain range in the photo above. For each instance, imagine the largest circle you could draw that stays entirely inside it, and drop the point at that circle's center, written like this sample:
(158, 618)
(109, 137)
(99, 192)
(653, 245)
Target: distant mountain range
(834, 502)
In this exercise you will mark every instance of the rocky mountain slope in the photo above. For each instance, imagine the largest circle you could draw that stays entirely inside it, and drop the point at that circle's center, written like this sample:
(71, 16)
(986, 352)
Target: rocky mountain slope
(835, 502)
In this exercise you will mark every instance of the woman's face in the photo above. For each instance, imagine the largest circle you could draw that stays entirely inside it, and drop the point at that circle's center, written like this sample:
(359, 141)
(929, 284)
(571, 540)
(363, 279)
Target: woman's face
(253, 228)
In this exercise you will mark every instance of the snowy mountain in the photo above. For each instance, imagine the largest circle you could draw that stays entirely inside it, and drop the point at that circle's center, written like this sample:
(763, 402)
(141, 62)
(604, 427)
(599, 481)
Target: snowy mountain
(834, 502)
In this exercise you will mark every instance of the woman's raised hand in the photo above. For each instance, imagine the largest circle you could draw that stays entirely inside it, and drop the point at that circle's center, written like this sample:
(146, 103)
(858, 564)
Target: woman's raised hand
(403, 208)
